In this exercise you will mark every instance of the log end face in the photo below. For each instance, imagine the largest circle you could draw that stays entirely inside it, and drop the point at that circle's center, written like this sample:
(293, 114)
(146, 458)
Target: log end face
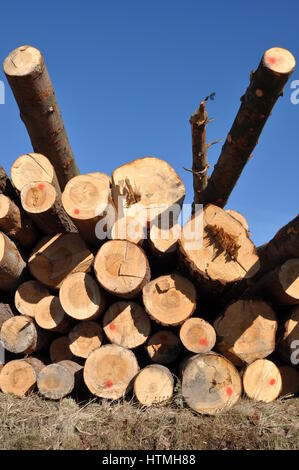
(22, 61)
(279, 60)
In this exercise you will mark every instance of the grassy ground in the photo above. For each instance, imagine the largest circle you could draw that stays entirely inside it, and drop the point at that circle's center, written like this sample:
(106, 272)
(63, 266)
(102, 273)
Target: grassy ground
(34, 423)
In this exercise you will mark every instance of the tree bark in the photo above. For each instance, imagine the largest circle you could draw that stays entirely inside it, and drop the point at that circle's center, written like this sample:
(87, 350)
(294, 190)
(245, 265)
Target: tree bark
(28, 77)
(6, 188)
(198, 123)
(266, 85)
(262, 381)
(5, 313)
(12, 264)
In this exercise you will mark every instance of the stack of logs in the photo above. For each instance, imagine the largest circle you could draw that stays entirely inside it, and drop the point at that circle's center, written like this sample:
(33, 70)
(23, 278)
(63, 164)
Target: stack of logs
(100, 296)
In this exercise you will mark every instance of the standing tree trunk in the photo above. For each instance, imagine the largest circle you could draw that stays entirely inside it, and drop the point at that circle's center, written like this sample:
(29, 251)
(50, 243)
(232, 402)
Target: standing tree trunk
(12, 264)
(266, 85)
(28, 77)
(198, 123)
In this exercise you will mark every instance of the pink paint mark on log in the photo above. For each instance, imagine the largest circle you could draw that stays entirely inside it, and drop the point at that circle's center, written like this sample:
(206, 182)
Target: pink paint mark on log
(272, 60)
(203, 341)
(41, 186)
(272, 381)
(108, 384)
(76, 211)
(163, 337)
(112, 326)
(229, 391)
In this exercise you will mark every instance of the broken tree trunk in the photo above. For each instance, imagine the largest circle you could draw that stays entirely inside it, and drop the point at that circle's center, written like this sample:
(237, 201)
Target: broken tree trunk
(28, 77)
(81, 297)
(109, 371)
(126, 324)
(20, 335)
(60, 349)
(15, 223)
(216, 251)
(197, 335)
(262, 381)
(18, 377)
(169, 299)
(55, 257)
(32, 167)
(289, 343)
(122, 268)
(87, 200)
(27, 297)
(198, 123)
(163, 347)
(12, 264)
(246, 331)
(154, 385)
(85, 337)
(50, 315)
(210, 383)
(266, 85)
(42, 203)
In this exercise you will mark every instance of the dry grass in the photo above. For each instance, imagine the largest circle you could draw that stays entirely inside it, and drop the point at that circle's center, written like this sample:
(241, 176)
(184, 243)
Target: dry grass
(34, 423)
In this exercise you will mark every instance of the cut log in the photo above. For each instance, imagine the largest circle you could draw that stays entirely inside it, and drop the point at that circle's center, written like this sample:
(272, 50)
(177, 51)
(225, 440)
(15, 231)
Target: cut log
(6, 188)
(28, 77)
(262, 381)
(27, 297)
(32, 167)
(163, 347)
(246, 331)
(239, 217)
(126, 324)
(290, 380)
(55, 257)
(87, 200)
(76, 370)
(85, 338)
(216, 251)
(281, 285)
(20, 335)
(283, 246)
(50, 315)
(210, 383)
(60, 349)
(154, 385)
(15, 223)
(17, 377)
(266, 85)
(121, 267)
(128, 228)
(147, 188)
(170, 299)
(197, 335)
(81, 297)
(12, 264)
(288, 346)
(200, 166)
(36, 363)
(164, 242)
(110, 370)
(5, 313)
(42, 203)
(55, 381)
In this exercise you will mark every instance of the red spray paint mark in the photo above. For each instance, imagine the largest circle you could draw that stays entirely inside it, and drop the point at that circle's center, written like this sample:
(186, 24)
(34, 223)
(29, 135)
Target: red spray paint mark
(76, 211)
(163, 337)
(229, 391)
(112, 326)
(272, 381)
(272, 60)
(40, 186)
(203, 342)
(108, 384)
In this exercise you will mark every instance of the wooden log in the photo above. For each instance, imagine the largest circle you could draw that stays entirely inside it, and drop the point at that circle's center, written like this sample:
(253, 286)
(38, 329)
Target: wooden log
(169, 299)
(87, 200)
(154, 385)
(5, 313)
(163, 347)
(76, 370)
(6, 188)
(32, 167)
(56, 381)
(239, 217)
(84, 338)
(55, 257)
(15, 223)
(20, 335)
(36, 363)
(18, 377)
(266, 85)
(197, 335)
(60, 349)
(126, 323)
(42, 203)
(12, 264)
(27, 297)
(129, 228)
(246, 331)
(28, 77)
(216, 251)
(109, 371)
(281, 285)
(146, 189)
(121, 267)
(290, 381)
(81, 297)
(288, 345)
(200, 166)
(163, 243)
(210, 383)
(51, 316)
(283, 246)
(262, 381)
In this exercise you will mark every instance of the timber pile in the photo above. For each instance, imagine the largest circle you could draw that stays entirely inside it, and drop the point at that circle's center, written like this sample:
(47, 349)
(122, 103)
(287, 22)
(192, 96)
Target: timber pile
(100, 295)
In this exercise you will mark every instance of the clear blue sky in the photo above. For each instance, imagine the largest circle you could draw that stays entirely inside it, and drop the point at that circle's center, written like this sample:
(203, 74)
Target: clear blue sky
(128, 74)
